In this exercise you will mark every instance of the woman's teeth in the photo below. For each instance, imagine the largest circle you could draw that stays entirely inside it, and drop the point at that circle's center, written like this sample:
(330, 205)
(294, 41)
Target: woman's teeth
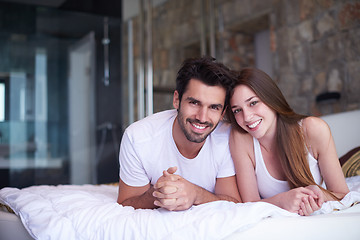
(254, 124)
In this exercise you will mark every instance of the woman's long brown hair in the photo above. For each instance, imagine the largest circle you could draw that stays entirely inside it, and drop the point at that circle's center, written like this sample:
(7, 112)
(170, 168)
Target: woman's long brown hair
(289, 135)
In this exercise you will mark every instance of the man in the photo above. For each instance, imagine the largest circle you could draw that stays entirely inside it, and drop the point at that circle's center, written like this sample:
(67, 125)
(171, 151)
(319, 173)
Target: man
(190, 141)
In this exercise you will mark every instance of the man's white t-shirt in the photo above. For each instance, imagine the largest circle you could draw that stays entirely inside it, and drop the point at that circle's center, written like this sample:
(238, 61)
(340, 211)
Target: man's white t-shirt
(147, 148)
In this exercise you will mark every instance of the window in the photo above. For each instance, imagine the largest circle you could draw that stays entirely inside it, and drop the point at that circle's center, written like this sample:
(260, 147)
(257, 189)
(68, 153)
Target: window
(2, 102)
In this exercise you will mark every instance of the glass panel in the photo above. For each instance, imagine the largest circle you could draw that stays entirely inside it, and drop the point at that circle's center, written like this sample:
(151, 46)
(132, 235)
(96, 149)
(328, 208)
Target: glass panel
(47, 95)
(2, 103)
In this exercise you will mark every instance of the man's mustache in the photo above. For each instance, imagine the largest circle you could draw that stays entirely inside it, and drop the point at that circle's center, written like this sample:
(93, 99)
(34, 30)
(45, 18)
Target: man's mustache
(199, 122)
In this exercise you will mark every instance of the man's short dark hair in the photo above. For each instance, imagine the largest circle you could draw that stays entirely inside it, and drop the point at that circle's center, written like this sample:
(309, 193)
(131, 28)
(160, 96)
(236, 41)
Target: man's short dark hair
(208, 71)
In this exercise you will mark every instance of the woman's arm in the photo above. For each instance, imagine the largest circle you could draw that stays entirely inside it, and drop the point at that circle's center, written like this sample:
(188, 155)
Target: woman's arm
(242, 153)
(321, 143)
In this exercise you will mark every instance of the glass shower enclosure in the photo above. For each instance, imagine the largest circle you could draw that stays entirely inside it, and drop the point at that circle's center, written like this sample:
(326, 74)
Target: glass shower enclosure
(51, 68)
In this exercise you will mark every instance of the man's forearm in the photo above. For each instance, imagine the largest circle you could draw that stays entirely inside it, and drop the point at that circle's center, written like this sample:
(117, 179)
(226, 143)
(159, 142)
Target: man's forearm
(144, 201)
(204, 196)
(187, 194)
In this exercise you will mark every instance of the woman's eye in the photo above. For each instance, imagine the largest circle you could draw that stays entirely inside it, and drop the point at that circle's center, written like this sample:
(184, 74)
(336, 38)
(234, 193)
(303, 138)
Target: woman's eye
(236, 111)
(253, 103)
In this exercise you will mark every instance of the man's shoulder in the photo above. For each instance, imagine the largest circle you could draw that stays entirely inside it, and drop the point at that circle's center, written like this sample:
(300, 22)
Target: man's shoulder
(151, 126)
(221, 132)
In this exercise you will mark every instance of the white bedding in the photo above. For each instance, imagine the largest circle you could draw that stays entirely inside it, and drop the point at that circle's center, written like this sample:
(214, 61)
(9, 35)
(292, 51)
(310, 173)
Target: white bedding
(91, 212)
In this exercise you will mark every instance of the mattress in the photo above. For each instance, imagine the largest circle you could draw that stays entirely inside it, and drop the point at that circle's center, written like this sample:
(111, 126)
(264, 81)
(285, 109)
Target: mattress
(91, 212)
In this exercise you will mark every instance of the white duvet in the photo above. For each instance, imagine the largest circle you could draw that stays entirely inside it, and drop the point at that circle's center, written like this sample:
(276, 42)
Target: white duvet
(91, 212)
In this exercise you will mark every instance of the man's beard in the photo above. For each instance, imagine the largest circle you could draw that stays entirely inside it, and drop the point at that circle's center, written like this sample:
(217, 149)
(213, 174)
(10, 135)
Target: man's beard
(191, 136)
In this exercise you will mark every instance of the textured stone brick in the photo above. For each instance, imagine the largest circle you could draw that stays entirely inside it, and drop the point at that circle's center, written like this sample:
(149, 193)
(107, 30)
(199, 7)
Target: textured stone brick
(320, 83)
(288, 83)
(351, 44)
(325, 25)
(323, 52)
(260, 5)
(349, 14)
(300, 104)
(300, 58)
(353, 87)
(307, 8)
(306, 31)
(334, 82)
(306, 85)
(293, 36)
(292, 12)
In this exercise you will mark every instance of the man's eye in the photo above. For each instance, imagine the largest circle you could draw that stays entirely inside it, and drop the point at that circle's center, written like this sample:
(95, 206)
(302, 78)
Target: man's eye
(194, 102)
(215, 107)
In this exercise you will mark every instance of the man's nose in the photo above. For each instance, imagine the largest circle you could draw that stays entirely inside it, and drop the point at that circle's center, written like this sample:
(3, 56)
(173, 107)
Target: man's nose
(202, 115)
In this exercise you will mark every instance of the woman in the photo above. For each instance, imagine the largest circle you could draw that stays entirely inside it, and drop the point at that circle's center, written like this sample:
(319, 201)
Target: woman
(280, 157)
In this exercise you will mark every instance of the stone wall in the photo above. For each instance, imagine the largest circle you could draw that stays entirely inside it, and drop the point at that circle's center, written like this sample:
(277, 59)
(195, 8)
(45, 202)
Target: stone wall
(315, 46)
(317, 51)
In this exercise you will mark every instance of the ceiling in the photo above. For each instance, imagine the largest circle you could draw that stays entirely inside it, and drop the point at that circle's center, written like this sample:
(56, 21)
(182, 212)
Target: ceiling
(49, 3)
(129, 8)
(100, 7)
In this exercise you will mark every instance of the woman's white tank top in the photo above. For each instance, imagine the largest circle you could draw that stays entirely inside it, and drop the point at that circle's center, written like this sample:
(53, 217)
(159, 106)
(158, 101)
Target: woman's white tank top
(269, 186)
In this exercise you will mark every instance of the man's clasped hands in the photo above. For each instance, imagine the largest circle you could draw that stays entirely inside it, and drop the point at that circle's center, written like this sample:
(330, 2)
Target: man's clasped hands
(173, 192)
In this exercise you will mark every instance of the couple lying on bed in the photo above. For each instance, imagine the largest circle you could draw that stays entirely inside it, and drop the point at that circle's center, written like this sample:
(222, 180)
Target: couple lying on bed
(179, 158)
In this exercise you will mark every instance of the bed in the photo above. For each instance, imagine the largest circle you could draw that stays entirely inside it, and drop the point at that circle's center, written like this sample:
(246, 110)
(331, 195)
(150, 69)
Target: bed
(91, 211)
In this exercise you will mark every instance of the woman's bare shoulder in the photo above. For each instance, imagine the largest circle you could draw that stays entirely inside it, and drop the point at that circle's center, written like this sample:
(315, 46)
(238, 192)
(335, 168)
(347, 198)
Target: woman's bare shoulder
(242, 149)
(240, 137)
(241, 143)
(315, 127)
(317, 134)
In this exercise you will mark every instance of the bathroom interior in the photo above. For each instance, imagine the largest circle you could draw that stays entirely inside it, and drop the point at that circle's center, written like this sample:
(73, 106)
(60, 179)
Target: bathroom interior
(75, 73)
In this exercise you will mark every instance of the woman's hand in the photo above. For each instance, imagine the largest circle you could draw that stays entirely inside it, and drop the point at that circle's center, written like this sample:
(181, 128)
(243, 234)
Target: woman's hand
(311, 204)
(319, 193)
(292, 200)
